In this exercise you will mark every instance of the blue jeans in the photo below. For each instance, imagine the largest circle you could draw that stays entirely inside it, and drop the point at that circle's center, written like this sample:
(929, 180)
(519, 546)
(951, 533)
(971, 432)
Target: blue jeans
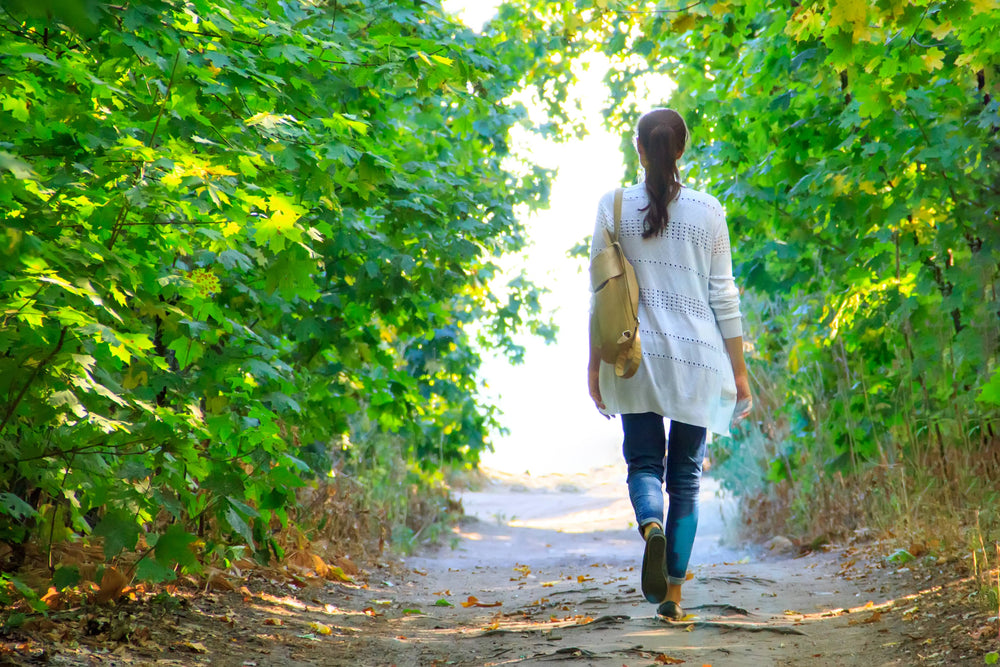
(644, 448)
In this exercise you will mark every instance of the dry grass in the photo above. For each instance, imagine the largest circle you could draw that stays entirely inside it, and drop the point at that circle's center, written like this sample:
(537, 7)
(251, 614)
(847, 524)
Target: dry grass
(913, 506)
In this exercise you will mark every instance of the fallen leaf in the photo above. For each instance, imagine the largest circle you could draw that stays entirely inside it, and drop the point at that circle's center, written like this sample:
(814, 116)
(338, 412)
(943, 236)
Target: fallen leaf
(217, 581)
(347, 565)
(663, 659)
(792, 612)
(52, 599)
(246, 564)
(443, 603)
(584, 577)
(473, 601)
(112, 584)
(984, 631)
(321, 628)
(197, 647)
(412, 611)
(874, 618)
(273, 621)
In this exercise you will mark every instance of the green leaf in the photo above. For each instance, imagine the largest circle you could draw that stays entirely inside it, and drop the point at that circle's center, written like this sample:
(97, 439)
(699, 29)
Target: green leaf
(15, 165)
(152, 571)
(66, 576)
(990, 392)
(443, 603)
(187, 350)
(17, 107)
(239, 524)
(13, 506)
(243, 508)
(13, 622)
(120, 532)
(900, 557)
(991, 658)
(174, 547)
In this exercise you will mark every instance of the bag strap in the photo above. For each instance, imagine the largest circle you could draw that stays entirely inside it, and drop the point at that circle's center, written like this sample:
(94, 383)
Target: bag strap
(618, 212)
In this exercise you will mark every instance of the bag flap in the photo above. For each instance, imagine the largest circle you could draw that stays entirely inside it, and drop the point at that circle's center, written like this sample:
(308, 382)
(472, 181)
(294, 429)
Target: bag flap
(605, 266)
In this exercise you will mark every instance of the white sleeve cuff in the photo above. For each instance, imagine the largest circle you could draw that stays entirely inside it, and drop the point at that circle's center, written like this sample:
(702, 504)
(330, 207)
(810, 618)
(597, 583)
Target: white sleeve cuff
(732, 327)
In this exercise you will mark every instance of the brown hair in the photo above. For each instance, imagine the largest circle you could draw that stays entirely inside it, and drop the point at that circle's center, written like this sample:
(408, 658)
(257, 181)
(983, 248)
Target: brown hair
(663, 136)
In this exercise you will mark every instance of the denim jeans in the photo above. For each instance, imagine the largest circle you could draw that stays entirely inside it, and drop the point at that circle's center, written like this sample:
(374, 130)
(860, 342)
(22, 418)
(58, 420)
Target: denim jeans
(644, 448)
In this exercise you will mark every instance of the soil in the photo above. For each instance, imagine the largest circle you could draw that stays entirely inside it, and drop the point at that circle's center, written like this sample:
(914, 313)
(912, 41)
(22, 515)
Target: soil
(544, 570)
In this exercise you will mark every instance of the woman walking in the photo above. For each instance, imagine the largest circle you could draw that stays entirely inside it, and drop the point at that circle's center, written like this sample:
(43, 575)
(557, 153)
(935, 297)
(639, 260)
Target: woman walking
(692, 370)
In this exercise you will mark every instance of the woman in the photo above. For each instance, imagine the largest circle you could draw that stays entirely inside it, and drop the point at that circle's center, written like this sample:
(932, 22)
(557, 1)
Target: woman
(692, 370)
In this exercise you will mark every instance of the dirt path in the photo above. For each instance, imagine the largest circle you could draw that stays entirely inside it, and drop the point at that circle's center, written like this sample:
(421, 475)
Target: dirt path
(558, 555)
(544, 570)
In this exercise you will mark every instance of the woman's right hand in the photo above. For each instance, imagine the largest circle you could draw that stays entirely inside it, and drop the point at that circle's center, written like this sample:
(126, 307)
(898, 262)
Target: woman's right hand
(743, 388)
(744, 401)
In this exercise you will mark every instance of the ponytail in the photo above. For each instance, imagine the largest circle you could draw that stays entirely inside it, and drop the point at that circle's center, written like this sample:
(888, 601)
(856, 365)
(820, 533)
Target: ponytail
(663, 136)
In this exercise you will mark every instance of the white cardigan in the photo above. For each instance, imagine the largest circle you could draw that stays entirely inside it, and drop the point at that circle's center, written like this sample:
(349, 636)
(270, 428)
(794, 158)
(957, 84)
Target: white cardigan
(688, 303)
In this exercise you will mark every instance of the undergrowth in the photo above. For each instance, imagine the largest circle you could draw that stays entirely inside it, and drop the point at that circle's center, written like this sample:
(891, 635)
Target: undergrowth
(376, 500)
(817, 463)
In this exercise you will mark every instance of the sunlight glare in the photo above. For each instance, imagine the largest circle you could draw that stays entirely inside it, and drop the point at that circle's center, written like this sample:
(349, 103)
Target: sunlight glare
(546, 406)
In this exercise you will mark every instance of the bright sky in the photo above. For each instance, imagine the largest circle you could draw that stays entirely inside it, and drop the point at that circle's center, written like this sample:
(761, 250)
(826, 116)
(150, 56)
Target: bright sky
(553, 424)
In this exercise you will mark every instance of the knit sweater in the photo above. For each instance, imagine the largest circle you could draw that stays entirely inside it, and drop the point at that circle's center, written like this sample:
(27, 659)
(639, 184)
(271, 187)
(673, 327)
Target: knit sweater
(688, 303)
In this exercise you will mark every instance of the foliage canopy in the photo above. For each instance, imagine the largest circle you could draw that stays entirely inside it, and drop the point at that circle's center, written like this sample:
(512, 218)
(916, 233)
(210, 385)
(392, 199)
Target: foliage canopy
(236, 234)
(856, 146)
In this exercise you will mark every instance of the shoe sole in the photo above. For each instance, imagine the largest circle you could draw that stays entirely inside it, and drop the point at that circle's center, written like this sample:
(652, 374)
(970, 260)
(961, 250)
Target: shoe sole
(654, 583)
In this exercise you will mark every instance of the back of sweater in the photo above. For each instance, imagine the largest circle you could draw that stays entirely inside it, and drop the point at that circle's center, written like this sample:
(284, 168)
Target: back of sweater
(688, 304)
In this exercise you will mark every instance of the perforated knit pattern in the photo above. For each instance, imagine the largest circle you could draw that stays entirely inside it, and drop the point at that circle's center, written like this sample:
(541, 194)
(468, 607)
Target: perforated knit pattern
(676, 230)
(678, 303)
(688, 305)
(721, 245)
(681, 360)
(686, 339)
(670, 265)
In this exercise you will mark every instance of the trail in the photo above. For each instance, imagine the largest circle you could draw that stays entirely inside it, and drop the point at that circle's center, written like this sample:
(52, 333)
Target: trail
(558, 556)
(544, 570)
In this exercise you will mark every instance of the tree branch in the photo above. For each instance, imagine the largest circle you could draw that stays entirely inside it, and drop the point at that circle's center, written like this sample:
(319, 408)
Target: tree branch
(38, 369)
